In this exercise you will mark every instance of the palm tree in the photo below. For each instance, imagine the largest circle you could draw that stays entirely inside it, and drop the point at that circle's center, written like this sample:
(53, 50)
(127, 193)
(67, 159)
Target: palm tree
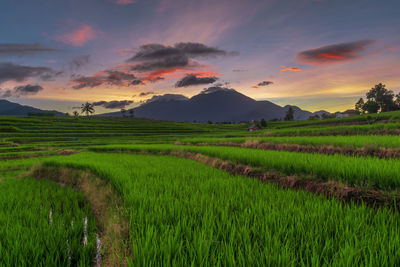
(87, 108)
(75, 113)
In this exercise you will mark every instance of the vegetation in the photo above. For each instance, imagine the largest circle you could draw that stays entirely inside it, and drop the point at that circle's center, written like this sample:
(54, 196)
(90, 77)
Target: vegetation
(181, 212)
(379, 99)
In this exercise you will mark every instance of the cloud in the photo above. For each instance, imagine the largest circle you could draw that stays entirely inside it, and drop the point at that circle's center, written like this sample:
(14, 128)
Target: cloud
(147, 93)
(265, 83)
(254, 87)
(163, 59)
(191, 79)
(79, 61)
(239, 70)
(78, 37)
(167, 97)
(23, 90)
(214, 89)
(334, 53)
(290, 69)
(13, 49)
(113, 104)
(125, 2)
(107, 77)
(19, 73)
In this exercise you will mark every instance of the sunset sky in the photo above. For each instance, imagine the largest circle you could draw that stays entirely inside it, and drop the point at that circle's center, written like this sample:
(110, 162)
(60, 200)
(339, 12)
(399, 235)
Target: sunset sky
(316, 54)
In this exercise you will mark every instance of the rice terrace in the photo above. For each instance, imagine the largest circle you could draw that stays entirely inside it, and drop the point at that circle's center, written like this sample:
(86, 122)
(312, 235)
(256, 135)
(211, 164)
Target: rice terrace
(199, 133)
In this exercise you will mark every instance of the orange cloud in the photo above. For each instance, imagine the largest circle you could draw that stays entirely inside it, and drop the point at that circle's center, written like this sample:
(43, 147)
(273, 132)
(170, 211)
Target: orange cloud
(254, 87)
(125, 2)
(78, 37)
(291, 69)
(334, 53)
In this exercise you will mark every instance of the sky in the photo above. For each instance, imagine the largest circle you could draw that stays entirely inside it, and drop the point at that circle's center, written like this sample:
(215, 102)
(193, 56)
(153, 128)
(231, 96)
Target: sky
(316, 54)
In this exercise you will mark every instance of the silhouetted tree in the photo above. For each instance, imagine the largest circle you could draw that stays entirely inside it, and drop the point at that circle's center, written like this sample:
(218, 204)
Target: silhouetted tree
(382, 97)
(397, 101)
(75, 113)
(131, 112)
(123, 111)
(87, 108)
(370, 107)
(314, 117)
(289, 114)
(263, 122)
(360, 106)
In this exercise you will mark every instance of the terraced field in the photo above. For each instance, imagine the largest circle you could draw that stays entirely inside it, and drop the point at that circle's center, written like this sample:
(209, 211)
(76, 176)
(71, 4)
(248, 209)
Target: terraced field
(110, 192)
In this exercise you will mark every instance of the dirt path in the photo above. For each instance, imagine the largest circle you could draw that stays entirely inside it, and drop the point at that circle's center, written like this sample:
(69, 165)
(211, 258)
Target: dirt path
(106, 206)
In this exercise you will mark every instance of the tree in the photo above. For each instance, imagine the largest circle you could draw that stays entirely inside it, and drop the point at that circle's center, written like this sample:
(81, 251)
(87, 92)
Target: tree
(131, 113)
(75, 113)
(397, 101)
(359, 106)
(123, 111)
(371, 107)
(263, 122)
(289, 114)
(87, 108)
(314, 117)
(382, 97)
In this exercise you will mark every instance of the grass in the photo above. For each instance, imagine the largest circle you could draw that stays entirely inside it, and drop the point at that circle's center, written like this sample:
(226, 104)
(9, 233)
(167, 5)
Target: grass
(185, 213)
(42, 224)
(368, 141)
(182, 212)
(356, 171)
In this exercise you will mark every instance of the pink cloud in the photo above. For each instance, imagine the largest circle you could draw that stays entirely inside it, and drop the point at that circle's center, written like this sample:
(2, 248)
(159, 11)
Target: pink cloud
(125, 2)
(78, 37)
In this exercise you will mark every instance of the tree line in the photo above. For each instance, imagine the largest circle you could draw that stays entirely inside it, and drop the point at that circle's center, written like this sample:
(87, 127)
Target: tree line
(378, 99)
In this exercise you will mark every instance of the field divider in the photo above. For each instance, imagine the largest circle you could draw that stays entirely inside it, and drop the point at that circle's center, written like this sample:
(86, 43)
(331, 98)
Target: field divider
(330, 189)
(105, 204)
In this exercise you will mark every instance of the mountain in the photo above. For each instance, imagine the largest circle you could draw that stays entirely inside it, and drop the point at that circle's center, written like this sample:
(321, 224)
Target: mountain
(214, 104)
(10, 108)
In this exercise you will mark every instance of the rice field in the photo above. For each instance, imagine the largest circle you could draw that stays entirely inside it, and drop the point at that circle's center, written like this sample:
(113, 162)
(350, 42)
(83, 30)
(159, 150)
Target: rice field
(180, 212)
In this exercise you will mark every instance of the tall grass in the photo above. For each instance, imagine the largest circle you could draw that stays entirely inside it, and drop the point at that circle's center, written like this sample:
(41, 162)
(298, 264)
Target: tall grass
(183, 213)
(369, 141)
(357, 171)
(42, 224)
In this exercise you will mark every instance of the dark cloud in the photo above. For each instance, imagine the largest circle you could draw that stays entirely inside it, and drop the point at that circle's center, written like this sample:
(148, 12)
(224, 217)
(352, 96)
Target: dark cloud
(113, 104)
(12, 49)
(107, 77)
(333, 53)
(146, 93)
(214, 89)
(6, 94)
(78, 62)
(156, 57)
(167, 97)
(170, 62)
(137, 82)
(19, 73)
(23, 90)
(265, 83)
(191, 79)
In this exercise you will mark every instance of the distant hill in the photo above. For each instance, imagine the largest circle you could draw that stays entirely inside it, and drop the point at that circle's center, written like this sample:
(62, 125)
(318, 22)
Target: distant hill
(15, 109)
(214, 104)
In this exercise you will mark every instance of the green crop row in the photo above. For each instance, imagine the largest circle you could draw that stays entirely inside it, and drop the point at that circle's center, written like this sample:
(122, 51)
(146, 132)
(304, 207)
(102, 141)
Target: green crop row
(183, 213)
(368, 141)
(43, 224)
(356, 171)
